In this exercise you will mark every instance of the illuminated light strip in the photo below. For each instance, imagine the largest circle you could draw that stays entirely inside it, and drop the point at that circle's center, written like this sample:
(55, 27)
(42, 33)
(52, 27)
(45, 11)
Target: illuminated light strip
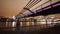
(47, 8)
(38, 10)
(35, 12)
(26, 15)
(18, 17)
(30, 13)
(56, 5)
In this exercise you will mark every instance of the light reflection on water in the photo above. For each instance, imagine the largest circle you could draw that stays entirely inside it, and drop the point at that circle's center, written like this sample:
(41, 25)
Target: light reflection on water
(25, 28)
